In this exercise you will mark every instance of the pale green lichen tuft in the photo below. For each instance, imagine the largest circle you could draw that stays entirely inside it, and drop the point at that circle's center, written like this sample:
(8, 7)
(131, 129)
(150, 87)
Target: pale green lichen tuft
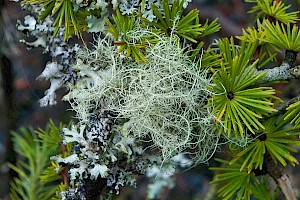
(163, 99)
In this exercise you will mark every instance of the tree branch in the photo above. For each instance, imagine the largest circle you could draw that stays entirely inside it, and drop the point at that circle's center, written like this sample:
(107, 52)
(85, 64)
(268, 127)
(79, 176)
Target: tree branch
(283, 72)
(64, 172)
(286, 187)
(282, 107)
(275, 170)
(287, 70)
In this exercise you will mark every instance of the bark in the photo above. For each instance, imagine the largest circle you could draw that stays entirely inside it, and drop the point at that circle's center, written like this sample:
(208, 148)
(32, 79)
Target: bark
(286, 187)
(275, 170)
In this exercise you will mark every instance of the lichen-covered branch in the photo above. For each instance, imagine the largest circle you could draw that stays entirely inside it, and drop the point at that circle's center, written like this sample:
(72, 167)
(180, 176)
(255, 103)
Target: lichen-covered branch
(282, 72)
(286, 71)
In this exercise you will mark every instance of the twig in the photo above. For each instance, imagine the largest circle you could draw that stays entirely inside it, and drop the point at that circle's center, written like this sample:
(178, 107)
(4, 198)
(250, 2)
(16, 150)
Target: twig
(287, 70)
(286, 187)
(275, 170)
(64, 175)
(282, 72)
(283, 106)
(64, 172)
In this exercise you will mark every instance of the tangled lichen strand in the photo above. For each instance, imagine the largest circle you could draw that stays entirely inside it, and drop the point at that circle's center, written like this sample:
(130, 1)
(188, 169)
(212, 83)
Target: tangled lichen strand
(163, 98)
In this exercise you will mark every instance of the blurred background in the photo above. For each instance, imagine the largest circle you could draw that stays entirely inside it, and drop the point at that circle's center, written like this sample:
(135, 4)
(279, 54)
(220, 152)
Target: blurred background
(20, 92)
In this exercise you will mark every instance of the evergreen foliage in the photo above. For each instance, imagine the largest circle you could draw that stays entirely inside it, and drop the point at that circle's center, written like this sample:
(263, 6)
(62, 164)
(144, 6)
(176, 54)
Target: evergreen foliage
(37, 180)
(235, 101)
(293, 114)
(272, 141)
(283, 35)
(276, 10)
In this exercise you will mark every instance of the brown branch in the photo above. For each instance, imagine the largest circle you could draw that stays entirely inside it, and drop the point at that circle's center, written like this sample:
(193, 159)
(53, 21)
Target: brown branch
(64, 172)
(275, 170)
(283, 106)
(286, 104)
(64, 175)
(286, 187)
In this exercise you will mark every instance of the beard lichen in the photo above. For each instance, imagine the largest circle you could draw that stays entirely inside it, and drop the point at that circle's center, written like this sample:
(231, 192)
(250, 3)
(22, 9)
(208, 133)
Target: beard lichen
(162, 100)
